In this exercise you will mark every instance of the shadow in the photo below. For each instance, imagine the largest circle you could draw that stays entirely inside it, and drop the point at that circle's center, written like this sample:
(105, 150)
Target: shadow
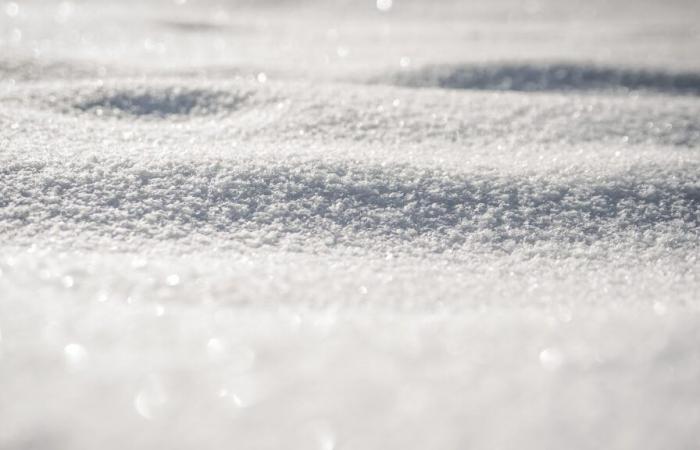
(204, 27)
(192, 26)
(533, 77)
(162, 103)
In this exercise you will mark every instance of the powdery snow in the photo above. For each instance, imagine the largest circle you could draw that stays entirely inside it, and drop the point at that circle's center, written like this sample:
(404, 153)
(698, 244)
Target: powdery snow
(303, 224)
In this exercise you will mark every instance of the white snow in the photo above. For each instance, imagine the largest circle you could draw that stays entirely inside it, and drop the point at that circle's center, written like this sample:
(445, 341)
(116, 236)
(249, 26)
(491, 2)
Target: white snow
(335, 225)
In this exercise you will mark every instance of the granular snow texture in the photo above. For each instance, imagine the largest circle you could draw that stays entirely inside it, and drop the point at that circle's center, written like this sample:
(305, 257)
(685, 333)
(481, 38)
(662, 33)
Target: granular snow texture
(349, 225)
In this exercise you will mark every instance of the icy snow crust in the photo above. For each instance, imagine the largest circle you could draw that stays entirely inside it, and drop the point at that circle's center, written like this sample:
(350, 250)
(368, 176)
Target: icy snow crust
(293, 224)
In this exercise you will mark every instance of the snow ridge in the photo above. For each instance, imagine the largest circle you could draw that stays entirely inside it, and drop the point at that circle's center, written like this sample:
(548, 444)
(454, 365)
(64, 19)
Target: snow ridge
(346, 201)
(377, 114)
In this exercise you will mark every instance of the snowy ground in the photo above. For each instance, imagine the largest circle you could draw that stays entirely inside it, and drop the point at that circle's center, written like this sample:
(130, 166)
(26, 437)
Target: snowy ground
(349, 225)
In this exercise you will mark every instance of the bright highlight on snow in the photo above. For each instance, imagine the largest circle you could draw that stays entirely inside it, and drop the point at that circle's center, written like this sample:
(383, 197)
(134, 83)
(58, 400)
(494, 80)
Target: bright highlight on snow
(12, 9)
(384, 5)
(283, 224)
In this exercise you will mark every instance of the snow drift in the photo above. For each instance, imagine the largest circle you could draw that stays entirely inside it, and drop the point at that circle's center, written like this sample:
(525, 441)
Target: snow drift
(337, 225)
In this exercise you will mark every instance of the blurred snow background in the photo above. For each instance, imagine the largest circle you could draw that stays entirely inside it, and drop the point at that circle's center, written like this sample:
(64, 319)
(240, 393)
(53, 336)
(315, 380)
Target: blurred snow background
(349, 224)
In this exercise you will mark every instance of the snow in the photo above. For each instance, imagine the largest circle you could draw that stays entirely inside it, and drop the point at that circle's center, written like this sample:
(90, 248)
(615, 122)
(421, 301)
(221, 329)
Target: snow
(392, 224)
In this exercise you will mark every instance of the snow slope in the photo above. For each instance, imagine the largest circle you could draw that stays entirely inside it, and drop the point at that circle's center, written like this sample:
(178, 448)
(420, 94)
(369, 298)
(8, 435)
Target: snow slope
(306, 224)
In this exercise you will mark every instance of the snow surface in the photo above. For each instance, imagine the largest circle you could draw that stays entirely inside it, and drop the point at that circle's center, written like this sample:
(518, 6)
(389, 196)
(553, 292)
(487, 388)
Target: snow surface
(349, 224)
